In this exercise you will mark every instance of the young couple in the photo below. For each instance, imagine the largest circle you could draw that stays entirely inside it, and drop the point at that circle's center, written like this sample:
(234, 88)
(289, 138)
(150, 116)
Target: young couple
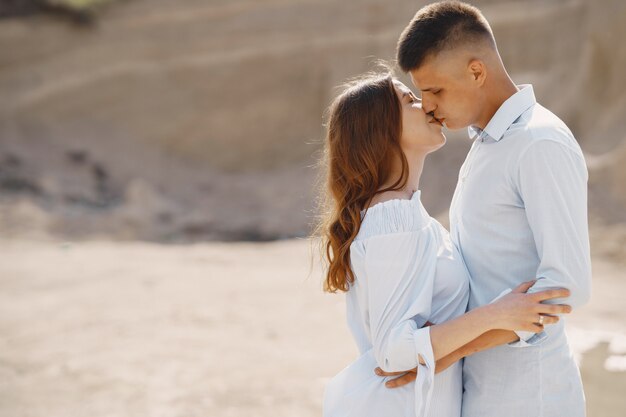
(467, 322)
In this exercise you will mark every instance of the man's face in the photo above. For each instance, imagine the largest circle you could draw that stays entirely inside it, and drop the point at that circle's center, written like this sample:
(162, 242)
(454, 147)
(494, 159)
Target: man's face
(449, 90)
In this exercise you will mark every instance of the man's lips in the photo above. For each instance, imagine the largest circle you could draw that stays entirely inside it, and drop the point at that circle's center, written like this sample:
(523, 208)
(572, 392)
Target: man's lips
(436, 120)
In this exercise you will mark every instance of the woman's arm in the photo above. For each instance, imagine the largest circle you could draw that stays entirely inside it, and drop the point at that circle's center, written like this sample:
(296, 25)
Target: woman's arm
(397, 303)
(450, 338)
(485, 341)
(516, 310)
(398, 300)
(455, 339)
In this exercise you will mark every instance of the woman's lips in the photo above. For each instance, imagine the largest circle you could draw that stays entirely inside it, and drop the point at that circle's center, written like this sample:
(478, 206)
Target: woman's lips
(438, 121)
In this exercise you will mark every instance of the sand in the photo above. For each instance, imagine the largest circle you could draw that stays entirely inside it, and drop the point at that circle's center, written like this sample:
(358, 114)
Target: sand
(216, 329)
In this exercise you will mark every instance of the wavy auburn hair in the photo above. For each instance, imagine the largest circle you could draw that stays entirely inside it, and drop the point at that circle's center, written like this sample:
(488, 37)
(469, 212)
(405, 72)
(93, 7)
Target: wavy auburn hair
(362, 143)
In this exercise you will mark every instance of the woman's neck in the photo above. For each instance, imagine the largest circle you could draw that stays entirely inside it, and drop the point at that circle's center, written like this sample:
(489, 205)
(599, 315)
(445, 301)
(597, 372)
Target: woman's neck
(415, 161)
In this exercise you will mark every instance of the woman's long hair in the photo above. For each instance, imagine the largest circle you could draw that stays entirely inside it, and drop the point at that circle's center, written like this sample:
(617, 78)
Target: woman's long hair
(362, 143)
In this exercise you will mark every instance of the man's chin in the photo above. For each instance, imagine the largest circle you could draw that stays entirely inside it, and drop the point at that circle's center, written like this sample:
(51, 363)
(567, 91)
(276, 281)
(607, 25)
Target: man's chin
(453, 126)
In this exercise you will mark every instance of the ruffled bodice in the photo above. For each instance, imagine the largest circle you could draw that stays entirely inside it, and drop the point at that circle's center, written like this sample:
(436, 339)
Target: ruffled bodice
(394, 216)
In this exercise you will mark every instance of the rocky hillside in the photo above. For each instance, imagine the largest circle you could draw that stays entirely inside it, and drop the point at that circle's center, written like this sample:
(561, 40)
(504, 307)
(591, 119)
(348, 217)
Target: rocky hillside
(201, 119)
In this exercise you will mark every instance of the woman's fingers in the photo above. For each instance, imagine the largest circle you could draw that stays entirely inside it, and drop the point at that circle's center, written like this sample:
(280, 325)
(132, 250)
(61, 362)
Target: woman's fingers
(518, 311)
(536, 322)
(524, 286)
(551, 293)
(548, 319)
(403, 380)
(539, 321)
(554, 309)
(537, 328)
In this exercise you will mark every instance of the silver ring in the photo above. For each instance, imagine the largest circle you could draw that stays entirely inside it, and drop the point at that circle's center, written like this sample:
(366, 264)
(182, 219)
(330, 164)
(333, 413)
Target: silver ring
(540, 320)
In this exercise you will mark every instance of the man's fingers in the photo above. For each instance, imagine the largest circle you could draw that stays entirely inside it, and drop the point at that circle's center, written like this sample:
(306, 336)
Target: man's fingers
(380, 372)
(552, 293)
(403, 380)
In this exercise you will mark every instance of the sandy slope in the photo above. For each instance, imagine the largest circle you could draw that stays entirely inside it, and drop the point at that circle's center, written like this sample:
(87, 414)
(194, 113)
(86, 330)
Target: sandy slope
(133, 329)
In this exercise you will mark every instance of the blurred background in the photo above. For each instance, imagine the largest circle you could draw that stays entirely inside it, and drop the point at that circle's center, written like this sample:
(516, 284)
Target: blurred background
(157, 185)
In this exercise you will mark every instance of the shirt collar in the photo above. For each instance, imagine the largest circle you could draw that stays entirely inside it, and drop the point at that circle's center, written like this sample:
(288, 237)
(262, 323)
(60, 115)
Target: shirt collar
(508, 113)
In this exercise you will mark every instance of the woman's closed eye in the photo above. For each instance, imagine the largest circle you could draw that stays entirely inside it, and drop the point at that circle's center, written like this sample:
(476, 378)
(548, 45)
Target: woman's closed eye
(413, 99)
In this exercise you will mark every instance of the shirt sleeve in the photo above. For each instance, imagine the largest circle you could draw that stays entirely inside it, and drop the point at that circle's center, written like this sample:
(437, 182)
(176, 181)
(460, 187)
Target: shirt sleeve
(400, 273)
(553, 186)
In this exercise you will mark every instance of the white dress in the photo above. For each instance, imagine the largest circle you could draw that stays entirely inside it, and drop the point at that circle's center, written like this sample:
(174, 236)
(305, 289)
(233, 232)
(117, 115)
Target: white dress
(407, 272)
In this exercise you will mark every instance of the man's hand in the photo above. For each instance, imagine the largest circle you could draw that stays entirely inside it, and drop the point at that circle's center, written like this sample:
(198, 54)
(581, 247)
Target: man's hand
(405, 378)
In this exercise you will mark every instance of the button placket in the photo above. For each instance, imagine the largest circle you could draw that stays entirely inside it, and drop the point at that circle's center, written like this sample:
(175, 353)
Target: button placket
(470, 159)
(465, 170)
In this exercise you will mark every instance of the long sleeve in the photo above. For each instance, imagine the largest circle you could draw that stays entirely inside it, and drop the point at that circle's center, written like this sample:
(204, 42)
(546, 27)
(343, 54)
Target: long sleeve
(553, 185)
(520, 212)
(400, 274)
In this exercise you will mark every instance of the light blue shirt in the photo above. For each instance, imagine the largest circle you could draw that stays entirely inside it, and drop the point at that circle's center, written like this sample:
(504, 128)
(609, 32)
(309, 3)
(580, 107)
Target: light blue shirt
(519, 212)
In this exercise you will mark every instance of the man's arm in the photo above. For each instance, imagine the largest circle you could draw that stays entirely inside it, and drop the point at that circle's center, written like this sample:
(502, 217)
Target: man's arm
(552, 182)
(487, 340)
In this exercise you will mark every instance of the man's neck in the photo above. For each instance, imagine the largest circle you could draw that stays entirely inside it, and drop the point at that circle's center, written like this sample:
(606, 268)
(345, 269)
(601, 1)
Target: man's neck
(500, 92)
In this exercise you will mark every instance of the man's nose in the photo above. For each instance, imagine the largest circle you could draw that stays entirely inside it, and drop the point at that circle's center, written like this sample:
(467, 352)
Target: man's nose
(428, 106)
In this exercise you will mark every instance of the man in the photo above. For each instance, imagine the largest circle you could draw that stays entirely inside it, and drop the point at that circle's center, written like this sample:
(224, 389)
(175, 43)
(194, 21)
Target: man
(519, 211)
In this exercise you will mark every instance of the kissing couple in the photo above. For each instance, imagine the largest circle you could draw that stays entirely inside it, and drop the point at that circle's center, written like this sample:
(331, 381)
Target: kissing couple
(467, 322)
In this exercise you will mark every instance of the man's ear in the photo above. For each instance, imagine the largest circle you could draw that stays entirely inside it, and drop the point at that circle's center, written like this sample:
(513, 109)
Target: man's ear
(478, 71)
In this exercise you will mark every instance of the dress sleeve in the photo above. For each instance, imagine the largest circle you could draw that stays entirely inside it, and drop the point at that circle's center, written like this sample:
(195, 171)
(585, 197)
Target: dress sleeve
(400, 271)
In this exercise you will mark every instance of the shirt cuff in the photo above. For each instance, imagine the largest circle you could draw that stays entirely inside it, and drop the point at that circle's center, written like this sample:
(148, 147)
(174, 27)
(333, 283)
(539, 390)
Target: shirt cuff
(528, 338)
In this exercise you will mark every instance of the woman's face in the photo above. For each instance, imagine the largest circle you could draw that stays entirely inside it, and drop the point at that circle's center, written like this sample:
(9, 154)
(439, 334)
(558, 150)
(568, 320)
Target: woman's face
(419, 131)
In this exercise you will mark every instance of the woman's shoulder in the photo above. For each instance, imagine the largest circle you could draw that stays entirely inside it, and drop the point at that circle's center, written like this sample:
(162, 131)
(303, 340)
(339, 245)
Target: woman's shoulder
(390, 215)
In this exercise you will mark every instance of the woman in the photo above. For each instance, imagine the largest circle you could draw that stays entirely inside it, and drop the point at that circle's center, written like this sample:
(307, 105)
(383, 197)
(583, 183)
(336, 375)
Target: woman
(398, 265)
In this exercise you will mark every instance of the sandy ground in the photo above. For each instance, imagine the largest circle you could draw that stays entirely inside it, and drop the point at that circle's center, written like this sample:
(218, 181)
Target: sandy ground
(111, 329)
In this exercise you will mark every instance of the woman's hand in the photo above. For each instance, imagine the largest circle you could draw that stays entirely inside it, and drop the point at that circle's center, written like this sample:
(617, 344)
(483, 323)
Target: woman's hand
(520, 311)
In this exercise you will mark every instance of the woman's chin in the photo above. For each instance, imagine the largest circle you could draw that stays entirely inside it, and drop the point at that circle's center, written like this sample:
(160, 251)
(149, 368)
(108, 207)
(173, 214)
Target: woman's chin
(442, 139)
(438, 144)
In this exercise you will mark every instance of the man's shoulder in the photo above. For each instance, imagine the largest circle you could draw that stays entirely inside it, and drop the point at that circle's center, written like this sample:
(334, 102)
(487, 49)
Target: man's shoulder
(538, 124)
(542, 117)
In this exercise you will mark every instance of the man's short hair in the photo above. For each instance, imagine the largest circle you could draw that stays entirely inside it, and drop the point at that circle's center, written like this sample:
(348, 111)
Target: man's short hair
(438, 27)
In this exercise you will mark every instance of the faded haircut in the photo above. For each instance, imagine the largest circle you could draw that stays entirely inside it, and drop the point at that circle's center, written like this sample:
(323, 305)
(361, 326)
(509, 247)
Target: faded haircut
(438, 27)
